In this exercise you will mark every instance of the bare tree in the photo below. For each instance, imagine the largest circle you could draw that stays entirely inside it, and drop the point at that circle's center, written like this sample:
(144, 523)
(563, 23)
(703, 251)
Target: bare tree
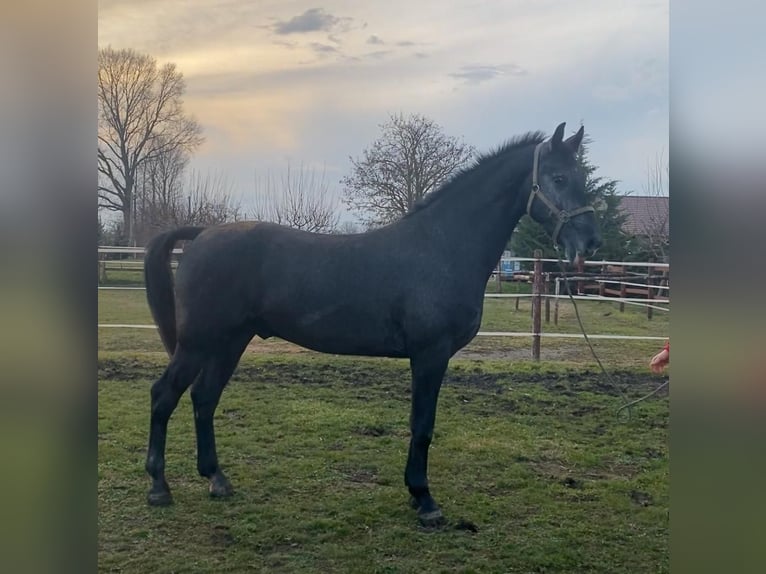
(141, 118)
(300, 199)
(159, 190)
(209, 200)
(197, 200)
(655, 231)
(410, 159)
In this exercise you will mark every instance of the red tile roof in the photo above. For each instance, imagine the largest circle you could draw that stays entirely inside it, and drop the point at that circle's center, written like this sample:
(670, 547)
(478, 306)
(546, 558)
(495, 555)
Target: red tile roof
(645, 214)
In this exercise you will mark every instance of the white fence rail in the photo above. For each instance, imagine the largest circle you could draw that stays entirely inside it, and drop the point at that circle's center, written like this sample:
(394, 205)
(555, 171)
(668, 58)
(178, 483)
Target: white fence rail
(178, 250)
(479, 334)
(660, 304)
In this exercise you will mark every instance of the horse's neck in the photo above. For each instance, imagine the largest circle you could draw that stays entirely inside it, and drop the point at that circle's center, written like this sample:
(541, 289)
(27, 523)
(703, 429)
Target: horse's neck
(474, 231)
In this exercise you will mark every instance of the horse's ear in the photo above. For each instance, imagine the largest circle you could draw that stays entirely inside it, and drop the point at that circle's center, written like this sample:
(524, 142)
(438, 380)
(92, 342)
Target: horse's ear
(574, 142)
(558, 135)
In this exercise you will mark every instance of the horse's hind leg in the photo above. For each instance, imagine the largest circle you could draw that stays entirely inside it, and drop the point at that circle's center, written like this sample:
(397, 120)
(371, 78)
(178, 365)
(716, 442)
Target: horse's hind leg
(205, 394)
(180, 373)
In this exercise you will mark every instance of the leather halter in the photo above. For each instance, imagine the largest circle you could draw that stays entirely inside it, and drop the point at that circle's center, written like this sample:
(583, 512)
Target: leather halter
(561, 215)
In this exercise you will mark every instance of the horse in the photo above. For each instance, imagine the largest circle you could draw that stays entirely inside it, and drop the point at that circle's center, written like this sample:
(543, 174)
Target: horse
(411, 289)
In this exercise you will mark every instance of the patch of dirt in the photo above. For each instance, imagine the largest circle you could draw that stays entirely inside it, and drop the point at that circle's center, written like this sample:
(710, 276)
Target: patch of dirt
(463, 524)
(654, 454)
(371, 430)
(394, 379)
(641, 498)
(585, 410)
(221, 536)
(361, 476)
(551, 469)
(233, 414)
(492, 382)
(574, 478)
(128, 369)
(571, 482)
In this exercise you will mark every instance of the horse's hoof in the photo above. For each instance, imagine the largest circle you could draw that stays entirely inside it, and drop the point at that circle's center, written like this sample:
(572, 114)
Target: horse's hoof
(159, 498)
(432, 519)
(220, 487)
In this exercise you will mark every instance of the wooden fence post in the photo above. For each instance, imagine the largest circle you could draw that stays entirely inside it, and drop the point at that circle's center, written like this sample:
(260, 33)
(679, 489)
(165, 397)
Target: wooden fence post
(537, 289)
(623, 294)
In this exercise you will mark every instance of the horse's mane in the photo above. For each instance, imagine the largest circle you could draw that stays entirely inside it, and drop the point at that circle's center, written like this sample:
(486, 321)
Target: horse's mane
(481, 160)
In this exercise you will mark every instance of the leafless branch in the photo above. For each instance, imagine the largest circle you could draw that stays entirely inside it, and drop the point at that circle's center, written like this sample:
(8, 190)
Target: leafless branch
(297, 198)
(655, 232)
(412, 158)
(140, 120)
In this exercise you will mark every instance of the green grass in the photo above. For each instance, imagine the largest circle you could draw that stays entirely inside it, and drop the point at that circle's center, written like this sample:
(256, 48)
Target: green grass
(124, 277)
(531, 454)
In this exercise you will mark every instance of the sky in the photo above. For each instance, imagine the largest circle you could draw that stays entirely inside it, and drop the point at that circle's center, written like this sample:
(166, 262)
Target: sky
(274, 82)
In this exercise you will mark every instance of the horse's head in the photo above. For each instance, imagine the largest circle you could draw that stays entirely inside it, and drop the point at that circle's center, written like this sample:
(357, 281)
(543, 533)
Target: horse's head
(557, 200)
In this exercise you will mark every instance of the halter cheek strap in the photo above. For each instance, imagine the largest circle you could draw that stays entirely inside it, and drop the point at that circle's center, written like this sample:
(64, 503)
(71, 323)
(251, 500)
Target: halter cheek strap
(561, 215)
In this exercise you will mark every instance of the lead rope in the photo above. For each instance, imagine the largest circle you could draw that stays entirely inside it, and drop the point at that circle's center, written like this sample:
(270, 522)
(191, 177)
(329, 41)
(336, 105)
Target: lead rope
(628, 404)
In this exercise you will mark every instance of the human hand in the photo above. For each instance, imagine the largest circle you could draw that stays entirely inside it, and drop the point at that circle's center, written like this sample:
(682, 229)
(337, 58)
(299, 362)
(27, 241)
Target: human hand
(660, 361)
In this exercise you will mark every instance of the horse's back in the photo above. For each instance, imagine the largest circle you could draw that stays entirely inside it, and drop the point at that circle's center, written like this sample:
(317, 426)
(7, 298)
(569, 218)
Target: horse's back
(310, 288)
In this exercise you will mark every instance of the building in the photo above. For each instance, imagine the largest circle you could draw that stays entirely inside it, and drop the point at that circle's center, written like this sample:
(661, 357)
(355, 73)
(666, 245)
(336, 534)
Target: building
(647, 218)
(646, 215)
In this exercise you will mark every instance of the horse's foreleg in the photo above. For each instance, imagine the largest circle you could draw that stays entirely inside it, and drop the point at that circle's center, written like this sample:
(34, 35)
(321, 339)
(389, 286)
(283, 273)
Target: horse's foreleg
(166, 392)
(427, 373)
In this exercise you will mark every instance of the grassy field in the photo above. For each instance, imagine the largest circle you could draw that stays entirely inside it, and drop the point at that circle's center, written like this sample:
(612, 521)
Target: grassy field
(531, 466)
(533, 469)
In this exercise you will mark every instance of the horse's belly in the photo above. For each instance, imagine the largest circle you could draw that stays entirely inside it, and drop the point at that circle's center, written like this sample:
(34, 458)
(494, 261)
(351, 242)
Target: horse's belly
(342, 331)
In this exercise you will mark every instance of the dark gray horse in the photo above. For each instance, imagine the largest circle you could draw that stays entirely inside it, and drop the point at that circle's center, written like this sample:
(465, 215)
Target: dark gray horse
(414, 289)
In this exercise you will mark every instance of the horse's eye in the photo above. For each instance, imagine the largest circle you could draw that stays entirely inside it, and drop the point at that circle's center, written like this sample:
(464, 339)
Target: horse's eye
(559, 179)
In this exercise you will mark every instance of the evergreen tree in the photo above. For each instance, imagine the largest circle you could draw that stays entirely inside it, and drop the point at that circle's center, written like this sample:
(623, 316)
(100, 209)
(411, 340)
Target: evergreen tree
(602, 195)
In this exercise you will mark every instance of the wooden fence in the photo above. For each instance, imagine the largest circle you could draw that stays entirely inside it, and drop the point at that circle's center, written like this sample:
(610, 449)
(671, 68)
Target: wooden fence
(649, 288)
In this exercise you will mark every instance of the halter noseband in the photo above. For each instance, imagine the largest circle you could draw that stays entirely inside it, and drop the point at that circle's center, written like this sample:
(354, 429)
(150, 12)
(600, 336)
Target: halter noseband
(561, 215)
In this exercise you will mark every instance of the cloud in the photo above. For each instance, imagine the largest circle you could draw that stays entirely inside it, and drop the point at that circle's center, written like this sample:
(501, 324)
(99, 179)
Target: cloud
(312, 20)
(478, 73)
(377, 54)
(323, 49)
(285, 44)
(264, 80)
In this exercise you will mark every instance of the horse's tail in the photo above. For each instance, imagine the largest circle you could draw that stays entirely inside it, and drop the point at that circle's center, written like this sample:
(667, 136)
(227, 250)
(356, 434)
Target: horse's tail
(159, 282)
